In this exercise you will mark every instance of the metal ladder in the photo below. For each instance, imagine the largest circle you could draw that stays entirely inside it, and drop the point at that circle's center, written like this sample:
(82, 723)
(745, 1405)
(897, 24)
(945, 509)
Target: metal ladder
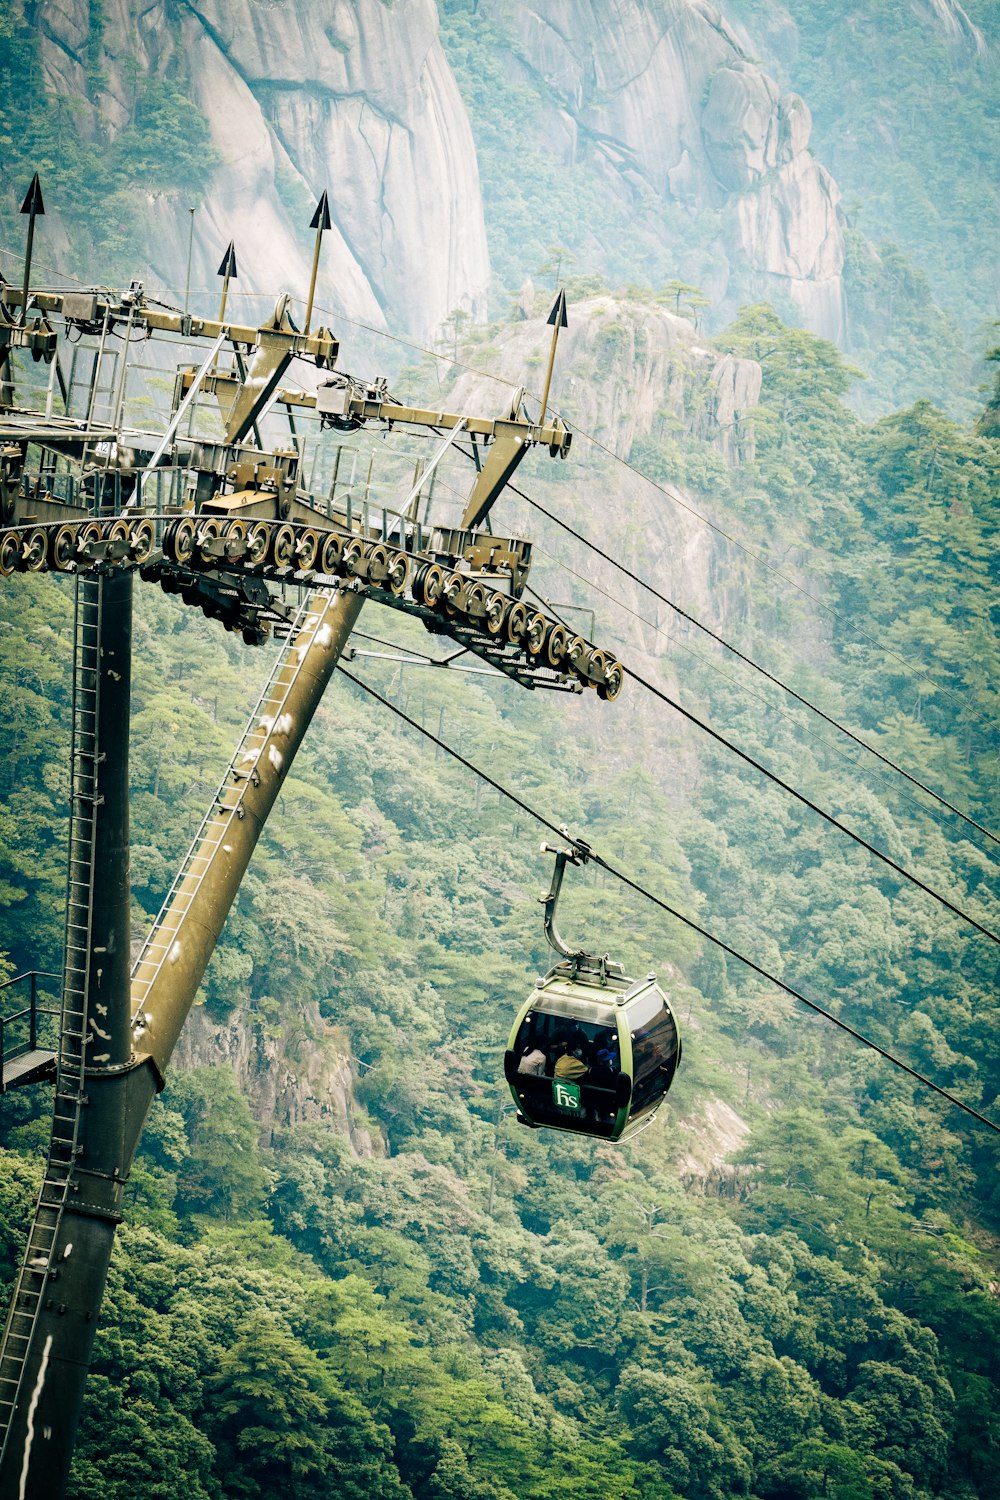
(224, 807)
(70, 1076)
(90, 385)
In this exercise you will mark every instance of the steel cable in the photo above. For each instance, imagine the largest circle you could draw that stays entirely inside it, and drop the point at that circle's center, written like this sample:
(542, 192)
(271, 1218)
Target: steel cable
(688, 922)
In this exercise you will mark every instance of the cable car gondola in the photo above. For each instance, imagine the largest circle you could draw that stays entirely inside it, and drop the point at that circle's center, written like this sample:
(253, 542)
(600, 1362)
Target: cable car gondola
(591, 1051)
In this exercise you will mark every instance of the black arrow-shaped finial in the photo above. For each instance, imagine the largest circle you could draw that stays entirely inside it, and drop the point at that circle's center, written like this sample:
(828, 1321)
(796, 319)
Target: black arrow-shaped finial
(228, 267)
(33, 204)
(557, 317)
(321, 218)
(319, 221)
(227, 271)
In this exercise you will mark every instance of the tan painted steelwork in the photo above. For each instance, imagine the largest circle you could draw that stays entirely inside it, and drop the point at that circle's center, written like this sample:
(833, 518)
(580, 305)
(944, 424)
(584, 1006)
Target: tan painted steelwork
(321, 345)
(365, 407)
(177, 952)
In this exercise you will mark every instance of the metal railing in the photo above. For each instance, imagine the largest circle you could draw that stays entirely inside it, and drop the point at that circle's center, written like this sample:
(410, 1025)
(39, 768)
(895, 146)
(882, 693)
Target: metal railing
(36, 1036)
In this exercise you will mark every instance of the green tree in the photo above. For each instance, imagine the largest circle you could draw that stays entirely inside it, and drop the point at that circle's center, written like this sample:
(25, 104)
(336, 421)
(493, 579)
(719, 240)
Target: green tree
(223, 1173)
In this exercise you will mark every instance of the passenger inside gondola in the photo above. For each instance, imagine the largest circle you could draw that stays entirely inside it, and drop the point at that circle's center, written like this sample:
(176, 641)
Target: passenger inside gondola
(572, 1050)
(533, 1060)
(571, 1061)
(569, 1070)
(607, 1062)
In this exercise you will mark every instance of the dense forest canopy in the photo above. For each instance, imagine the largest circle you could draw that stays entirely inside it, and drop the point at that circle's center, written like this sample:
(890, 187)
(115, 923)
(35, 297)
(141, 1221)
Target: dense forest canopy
(345, 1270)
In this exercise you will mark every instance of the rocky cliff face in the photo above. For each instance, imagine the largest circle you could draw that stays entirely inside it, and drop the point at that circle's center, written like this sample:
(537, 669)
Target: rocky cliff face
(304, 1075)
(300, 97)
(964, 37)
(664, 99)
(622, 367)
(627, 371)
(358, 98)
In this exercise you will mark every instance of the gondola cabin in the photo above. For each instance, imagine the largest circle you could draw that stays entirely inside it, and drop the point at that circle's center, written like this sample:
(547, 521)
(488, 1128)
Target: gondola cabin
(592, 1051)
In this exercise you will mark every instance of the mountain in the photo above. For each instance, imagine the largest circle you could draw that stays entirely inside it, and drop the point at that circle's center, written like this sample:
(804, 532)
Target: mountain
(665, 106)
(293, 99)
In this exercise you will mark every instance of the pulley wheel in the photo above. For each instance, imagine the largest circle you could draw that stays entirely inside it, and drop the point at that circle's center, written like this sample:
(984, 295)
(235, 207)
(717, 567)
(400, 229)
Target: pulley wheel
(208, 531)
(496, 606)
(88, 535)
(516, 622)
(33, 555)
(614, 681)
(333, 551)
(306, 548)
(598, 669)
(378, 563)
(10, 552)
(258, 537)
(555, 646)
(453, 593)
(282, 547)
(142, 540)
(578, 656)
(115, 531)
(354, 558)
(64, 548)
(398, 577)
(234, 534)
(535, 635)
(476, 599)
(179, 540)
(431, 584)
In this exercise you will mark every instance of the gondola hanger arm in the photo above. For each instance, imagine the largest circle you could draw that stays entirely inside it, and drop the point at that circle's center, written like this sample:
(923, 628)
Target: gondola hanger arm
(577, 854)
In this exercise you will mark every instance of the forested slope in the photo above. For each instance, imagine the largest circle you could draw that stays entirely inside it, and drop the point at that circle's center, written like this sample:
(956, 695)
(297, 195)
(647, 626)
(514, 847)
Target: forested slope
(787, 1286)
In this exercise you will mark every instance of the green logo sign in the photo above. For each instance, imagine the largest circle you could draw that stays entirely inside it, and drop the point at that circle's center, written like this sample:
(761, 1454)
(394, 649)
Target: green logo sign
(566, 1095)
